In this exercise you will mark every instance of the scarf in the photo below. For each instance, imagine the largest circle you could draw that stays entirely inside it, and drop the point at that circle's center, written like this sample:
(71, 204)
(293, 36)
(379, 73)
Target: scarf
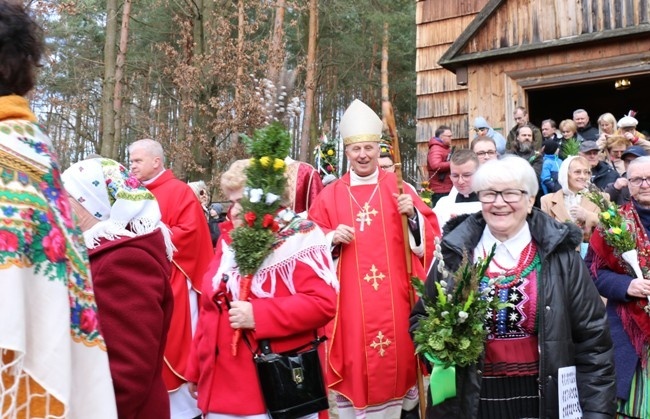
(636, 322)
(123, 206)
(298, 240)
(15, 107)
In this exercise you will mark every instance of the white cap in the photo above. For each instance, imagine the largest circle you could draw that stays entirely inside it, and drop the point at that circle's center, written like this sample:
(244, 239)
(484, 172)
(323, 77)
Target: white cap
(627, 121)
(360, 124)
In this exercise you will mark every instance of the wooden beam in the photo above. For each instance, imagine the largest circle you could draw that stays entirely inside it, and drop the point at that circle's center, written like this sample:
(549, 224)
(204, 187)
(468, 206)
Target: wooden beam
(453, 63)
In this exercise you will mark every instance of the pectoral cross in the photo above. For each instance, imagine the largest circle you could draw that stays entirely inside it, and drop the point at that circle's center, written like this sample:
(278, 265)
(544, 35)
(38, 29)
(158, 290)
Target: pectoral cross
(363, 216)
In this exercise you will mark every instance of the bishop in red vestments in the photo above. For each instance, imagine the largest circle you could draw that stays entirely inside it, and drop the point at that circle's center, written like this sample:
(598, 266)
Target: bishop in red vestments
(371, 363)
(182, 213)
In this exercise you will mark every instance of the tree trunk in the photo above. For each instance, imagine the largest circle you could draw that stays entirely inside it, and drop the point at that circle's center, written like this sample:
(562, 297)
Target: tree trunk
(108, 115)
(276, 50)
(119, 75)
(310, 80)
(384, 72)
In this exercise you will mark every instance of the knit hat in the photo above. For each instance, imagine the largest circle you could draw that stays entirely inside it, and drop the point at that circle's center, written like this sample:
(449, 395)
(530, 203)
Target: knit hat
(360, 124)
(123, 206)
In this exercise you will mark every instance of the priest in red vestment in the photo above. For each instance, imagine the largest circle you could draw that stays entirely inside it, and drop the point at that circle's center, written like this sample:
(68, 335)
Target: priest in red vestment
(183, 214)
(371, 365)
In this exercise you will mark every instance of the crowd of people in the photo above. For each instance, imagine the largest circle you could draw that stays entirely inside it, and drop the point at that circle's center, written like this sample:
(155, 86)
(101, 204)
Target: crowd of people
(124, 293)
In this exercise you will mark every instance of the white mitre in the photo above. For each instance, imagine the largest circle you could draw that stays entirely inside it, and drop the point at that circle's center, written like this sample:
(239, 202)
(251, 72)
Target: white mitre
(360, 124)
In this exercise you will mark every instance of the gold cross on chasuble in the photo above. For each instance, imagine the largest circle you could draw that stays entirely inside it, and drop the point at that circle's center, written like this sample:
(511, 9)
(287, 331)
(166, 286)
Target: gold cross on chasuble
(363, 216)
(374, 277)
(380, 343)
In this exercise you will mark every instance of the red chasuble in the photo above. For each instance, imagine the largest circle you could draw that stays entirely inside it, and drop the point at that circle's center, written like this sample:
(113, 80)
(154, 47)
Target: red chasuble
(371, 355)
(182, 213)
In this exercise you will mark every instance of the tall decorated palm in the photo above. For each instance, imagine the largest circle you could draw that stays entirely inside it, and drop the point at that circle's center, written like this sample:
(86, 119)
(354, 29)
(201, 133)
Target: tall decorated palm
(265, 185)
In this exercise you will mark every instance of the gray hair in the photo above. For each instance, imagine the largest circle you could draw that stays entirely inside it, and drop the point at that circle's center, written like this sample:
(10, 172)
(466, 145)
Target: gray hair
(510, 169)
(152, 147)
(636, 162)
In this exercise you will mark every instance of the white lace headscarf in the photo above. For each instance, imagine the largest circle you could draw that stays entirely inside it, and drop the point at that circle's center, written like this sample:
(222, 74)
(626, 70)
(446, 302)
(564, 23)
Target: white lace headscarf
(123, 206)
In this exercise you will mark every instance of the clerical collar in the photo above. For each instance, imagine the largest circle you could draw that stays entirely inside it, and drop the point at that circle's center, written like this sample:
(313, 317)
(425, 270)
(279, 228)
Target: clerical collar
(472, 197)
(365, 180)
(153, 179)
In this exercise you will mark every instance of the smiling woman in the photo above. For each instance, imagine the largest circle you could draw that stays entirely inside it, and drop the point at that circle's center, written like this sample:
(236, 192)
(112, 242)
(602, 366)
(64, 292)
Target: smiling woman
(535, 265)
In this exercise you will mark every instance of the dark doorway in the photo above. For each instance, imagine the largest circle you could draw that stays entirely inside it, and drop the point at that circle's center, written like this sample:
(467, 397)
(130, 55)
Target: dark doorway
(596, 98)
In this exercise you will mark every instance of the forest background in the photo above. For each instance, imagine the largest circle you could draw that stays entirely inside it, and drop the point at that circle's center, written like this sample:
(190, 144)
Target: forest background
(194, 74)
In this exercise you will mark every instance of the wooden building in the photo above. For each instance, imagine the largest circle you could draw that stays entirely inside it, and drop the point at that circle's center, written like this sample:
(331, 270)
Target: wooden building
(486, 57)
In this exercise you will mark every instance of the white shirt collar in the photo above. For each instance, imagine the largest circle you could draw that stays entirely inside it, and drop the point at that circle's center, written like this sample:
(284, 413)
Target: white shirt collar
(507, 252)
(366, 180)
(147, 182)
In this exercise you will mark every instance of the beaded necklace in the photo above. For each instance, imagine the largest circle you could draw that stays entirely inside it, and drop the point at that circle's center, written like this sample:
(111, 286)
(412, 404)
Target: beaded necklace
(506, 278)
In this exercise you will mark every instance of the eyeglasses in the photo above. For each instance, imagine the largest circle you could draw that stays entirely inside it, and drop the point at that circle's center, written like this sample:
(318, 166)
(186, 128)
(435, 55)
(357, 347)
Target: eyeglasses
(464, 176)
(488, 153)
(579, 172)
(508, 195)
(387, 167)
(638, 181)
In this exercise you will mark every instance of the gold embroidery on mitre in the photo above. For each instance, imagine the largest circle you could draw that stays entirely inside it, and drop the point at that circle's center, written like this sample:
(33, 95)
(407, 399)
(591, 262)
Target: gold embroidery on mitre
(363, 216)
(374, 277)
(380, 343)
(362, 138)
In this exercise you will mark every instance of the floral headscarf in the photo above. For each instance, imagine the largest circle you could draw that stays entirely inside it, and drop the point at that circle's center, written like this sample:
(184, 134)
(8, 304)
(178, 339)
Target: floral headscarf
(123, 206)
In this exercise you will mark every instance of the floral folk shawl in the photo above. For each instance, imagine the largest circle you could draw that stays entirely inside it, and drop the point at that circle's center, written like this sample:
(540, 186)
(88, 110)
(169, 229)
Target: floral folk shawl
(53, 360)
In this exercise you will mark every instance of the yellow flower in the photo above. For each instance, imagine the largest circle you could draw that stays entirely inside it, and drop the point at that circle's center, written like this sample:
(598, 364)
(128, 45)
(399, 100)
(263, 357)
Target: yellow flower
(265, 161)
(426, 200)
(278, 164)
(616, 230)
(330, 152)
(605, 215)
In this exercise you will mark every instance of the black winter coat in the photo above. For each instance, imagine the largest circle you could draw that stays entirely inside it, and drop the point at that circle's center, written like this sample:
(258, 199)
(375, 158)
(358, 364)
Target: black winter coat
(572, 327)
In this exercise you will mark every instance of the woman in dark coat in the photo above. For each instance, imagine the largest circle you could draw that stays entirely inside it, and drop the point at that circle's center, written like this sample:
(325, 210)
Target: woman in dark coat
(129, 249)
(557, 318)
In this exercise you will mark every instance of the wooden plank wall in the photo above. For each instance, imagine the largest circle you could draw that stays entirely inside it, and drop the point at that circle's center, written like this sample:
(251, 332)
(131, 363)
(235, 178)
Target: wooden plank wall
(525, 22)
(441, 101)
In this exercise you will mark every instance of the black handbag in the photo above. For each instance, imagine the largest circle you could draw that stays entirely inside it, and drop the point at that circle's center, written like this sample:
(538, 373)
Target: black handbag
(292, 382)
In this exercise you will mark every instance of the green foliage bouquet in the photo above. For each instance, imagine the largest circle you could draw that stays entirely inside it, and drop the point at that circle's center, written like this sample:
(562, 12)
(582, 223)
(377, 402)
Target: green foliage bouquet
(265, 186)
(453, 332)
(616, 229)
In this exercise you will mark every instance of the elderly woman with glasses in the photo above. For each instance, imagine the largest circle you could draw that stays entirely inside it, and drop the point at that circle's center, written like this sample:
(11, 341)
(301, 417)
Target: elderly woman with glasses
(556, 318)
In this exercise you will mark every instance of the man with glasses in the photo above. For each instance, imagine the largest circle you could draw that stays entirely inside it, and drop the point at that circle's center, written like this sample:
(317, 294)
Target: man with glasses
(485, 149)
(602, 173)
(627, 294)
(618, 190)
(461, 199)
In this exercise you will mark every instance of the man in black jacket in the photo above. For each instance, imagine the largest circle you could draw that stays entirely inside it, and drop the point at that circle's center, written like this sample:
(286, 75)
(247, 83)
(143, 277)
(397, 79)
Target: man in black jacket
(585, 129)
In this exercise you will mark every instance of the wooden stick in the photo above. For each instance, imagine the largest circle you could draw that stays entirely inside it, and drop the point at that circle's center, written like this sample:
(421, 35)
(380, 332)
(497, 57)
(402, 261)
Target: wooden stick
(389, 119)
